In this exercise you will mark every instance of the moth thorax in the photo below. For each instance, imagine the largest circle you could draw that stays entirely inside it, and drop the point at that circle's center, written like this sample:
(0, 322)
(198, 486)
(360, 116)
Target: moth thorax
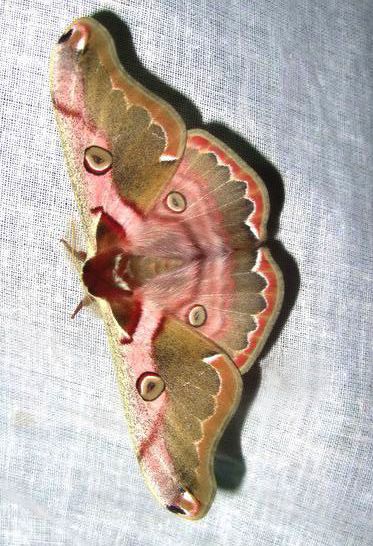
(104, 275)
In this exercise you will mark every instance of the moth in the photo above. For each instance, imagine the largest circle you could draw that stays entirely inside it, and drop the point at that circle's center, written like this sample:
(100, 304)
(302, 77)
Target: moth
(175, 227)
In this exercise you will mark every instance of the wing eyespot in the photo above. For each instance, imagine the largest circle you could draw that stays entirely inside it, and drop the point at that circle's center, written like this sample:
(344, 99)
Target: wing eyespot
(176, 201)
(197, 316)
(97, 160)
(185, 504)
(65, 37)
(175, 509)
(150, 386)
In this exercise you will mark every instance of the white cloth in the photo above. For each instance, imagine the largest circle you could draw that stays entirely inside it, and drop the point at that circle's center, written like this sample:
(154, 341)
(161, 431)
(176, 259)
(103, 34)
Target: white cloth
(293, 79)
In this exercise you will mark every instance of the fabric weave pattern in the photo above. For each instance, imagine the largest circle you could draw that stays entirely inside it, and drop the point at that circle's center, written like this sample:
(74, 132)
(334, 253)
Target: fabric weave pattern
(293, 79)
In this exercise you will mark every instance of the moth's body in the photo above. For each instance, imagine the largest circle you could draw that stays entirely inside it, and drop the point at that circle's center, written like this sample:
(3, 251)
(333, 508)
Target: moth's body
(175, 226)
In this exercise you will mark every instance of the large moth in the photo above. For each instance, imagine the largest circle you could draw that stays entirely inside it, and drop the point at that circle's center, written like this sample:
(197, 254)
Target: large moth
(175, 227)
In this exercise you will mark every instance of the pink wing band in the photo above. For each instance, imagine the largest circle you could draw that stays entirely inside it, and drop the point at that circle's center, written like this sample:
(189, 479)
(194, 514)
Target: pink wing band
(256, 192)
(273, 295)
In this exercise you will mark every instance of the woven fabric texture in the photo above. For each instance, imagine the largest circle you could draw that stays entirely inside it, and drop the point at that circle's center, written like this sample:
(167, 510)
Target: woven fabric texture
(289, 81)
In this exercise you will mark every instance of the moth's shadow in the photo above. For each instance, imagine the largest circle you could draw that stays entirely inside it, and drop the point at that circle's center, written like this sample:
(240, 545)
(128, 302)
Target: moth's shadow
(229, 462)
(130, 61)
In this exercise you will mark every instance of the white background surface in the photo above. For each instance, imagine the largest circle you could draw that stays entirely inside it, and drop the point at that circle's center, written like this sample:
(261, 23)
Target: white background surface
(294, 79)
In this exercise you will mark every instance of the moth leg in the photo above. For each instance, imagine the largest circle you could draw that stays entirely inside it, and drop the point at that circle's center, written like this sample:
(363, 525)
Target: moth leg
(75, 254)
(78, 257)
(85, 302)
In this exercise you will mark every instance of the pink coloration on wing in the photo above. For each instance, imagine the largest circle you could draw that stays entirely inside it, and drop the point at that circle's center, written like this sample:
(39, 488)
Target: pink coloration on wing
(140, 354)
(207, 280)
(211, 284)
(148, 417)
(100, 191)
(69, 100)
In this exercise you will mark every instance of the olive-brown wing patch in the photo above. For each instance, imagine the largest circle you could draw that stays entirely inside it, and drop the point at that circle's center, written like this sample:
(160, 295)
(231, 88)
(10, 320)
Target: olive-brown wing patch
(203, 388)
(98, 104)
